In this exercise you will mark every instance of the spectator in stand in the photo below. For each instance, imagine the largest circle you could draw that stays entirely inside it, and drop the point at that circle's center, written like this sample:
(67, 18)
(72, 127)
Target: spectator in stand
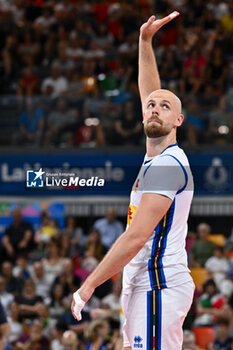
(189, 341)
(41, 280)
(222, 340)
(196, 124)
(17, 238)
(20, 269)
(6, 298)
(217, 266)
(210, 305)
(96, 335)
(4, 328)
(75, 234)
(13, 284)
(62, 62)
(193, 72)
(95, 105)
(31, 125)
(74, 51)
(202, 249)
(47, 231)
(128, 128)
(226, 20)
(10, 57)
(57, 333)
(70, 340)
(49, 55)
(91, 134)
(67, 279)
(94, 247)
(111, 303)
(28, 84)
(103, 38)
(208, 99)
(61, 124)
(29, 50)
(217, 71)
(220, 120)
(31, 305)
(169, 69)
(54, 85)
(58, 304)
(53, 264)
(14, 323)
(34, 340)
(66, 248)
(43, 23)
(75, 86)
(109, 227)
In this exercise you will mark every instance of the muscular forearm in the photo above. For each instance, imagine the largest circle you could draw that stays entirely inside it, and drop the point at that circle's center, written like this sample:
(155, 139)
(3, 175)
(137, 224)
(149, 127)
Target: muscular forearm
(124, 249)
(148, 77)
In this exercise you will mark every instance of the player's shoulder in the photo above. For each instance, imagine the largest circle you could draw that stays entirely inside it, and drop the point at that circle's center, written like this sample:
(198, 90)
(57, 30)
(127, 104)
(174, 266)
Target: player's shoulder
(174, 154)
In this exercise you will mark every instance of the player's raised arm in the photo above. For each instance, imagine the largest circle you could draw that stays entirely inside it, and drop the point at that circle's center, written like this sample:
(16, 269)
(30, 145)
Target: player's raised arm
(148, 77)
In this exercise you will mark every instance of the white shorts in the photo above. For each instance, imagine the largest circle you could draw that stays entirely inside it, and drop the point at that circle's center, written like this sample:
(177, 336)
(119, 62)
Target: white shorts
(154, 319)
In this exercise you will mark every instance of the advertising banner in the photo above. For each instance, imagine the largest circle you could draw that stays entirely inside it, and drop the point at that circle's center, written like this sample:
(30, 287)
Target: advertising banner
(101, 174)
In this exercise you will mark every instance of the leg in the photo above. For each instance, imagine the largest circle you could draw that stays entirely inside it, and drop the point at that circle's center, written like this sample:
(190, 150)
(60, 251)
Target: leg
(175, 303)
(154, 319)
(135, 327)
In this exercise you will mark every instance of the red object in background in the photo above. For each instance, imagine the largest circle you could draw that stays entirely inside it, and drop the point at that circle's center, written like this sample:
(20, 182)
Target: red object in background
(115, 27)
(169, 37)
(199, 63)
(112, 65)
(83, 135)
(39, 2)
(101, 12)
(218, 303)
(204, 335)
(25, 83)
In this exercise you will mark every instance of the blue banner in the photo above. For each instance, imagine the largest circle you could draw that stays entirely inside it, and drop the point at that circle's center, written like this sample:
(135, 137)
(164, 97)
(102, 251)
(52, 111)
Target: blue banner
(43, 175)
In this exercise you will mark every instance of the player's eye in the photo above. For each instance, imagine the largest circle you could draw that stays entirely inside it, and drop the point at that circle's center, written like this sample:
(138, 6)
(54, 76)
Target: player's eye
(165, 106)
(151, 105)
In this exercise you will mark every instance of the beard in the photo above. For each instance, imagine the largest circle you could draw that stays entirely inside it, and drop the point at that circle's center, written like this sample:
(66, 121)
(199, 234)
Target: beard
(154, 130)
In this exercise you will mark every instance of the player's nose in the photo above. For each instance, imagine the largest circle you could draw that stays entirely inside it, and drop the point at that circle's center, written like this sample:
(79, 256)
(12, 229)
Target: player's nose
(155, 112)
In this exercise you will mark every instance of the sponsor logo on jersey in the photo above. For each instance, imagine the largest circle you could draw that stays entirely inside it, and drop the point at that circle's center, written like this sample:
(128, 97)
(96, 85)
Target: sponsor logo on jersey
(138, 342)
(131, 213)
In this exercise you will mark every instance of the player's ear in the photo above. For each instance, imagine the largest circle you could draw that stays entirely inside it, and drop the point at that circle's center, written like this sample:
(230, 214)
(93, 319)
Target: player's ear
(179, 120)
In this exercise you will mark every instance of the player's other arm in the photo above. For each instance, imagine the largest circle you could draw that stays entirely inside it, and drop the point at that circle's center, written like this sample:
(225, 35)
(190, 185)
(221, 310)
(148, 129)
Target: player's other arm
(150, 211)
(148, 76)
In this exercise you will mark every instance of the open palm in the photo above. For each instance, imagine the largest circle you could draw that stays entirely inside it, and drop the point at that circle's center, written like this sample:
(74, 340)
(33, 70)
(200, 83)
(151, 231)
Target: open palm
(149, 28)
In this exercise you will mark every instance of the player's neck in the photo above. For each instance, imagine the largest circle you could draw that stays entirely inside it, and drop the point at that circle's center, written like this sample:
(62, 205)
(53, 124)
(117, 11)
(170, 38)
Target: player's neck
(157, 145)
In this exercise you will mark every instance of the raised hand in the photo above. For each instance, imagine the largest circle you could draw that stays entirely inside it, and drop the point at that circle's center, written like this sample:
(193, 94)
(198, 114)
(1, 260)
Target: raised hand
(149, 28)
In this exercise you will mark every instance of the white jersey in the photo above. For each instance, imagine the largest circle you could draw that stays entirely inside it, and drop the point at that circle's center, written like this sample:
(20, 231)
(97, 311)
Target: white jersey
(162, 262)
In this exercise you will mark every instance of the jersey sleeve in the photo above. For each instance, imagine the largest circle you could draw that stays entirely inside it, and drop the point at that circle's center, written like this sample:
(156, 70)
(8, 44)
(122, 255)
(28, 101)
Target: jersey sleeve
(165, 175)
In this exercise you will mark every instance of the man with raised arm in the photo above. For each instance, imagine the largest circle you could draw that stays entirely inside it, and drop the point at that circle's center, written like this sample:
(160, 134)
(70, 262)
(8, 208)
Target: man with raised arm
(157, 287)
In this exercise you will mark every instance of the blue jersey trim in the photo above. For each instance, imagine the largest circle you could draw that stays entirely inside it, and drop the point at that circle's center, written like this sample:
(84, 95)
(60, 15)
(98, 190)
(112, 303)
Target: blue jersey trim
(158, 249)
(184, 171)
(173, 145)
(146, 169)
(149, 160)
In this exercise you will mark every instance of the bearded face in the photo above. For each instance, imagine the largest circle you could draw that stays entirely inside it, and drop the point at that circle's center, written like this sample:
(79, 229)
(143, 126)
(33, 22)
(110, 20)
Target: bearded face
(154, 127)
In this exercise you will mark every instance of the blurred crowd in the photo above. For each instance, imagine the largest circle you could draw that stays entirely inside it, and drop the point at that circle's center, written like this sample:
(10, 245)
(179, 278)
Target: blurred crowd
(41, 268)
(72, 66)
